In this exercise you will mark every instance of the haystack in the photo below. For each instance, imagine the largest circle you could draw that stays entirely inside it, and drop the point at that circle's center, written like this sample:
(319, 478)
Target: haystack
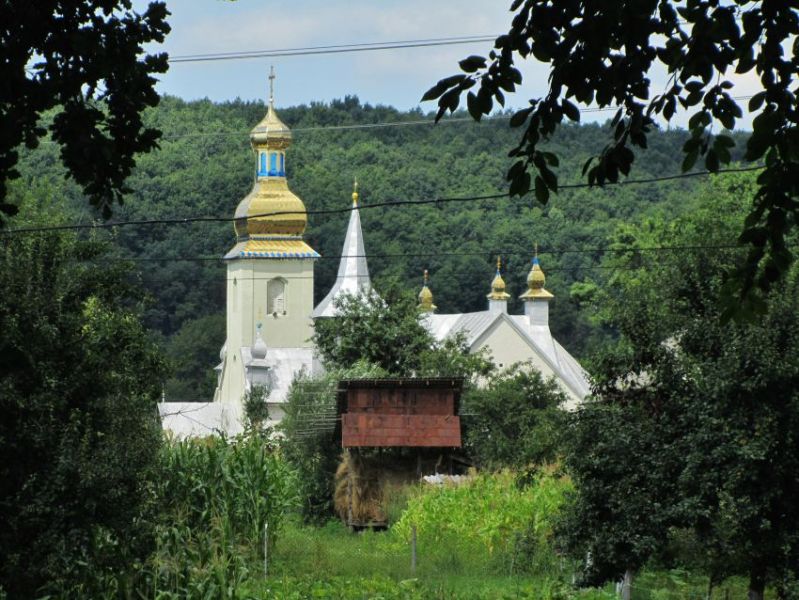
(358, 497)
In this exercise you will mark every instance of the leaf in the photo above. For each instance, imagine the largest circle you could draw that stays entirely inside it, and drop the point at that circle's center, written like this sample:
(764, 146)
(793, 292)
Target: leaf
(570, 110)
(472, 63)
(473, 106)
(434, 92)
(712, 161)
(756, 101)
(541, 190)
(690, 160)
(520, 117)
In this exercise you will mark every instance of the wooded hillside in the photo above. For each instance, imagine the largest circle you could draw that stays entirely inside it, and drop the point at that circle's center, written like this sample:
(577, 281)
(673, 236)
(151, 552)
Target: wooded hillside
(204, 167)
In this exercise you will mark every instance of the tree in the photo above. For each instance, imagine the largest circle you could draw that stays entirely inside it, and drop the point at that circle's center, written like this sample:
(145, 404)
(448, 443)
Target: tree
(514, 420)
(386, 332)
(605, 53)
(695, 422)
(82, 60)
(310, 444)
(79, 431)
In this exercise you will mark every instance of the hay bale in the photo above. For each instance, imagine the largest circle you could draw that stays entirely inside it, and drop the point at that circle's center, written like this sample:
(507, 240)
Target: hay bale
(358, 496)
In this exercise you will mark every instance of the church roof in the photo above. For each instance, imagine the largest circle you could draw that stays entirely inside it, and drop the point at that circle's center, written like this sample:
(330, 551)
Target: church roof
(272, 248)
(477, 324)
(353, 272)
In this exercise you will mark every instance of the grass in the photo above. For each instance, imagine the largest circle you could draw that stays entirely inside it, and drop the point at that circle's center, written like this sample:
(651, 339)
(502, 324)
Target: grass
(333, 562)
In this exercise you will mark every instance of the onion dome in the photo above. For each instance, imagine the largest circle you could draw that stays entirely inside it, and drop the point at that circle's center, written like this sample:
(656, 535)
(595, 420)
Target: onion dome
(498, 284)
(536, 281)
(426, 296)
(270, 209)
(259, 347)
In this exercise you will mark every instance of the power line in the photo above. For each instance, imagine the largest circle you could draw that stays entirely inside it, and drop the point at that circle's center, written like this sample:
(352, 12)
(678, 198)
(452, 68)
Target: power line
(386, 124)
(492, 253)
(333, 211)
(333, 49)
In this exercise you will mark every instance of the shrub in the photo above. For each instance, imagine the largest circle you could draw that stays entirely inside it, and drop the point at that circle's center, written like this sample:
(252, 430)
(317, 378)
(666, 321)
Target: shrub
(489, 518)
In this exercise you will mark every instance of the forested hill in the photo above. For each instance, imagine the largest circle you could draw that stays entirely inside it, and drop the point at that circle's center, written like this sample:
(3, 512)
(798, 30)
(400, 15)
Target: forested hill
(205, 166)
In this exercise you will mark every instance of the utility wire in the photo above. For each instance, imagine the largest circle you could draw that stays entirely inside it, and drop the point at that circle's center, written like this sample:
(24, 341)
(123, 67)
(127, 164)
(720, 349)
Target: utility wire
(386, 124)
(334, 49)
(492, 253)
(333, 211)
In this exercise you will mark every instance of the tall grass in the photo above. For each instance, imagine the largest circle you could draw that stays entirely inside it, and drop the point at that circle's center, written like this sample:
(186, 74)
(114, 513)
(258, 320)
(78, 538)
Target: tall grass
(491, 524)
(212, 501)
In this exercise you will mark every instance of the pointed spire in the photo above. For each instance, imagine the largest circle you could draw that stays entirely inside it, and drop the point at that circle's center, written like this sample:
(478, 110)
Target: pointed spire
(426, 296)
(353, 272)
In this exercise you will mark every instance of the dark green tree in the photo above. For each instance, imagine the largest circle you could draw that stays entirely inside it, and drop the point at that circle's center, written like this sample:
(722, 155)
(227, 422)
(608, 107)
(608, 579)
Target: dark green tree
(514, 420)
(604, 54)
(385, 331)
(695, 418)
(84, 61)
(310, 444)
(79, 431)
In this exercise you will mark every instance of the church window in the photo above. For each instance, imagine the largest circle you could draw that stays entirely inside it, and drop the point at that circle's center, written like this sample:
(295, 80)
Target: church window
(262, 164)
(273, 163)
(282, 164)
(276, 296)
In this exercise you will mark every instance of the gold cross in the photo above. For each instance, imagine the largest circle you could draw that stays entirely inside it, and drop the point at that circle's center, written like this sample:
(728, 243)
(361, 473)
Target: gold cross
(271, 84)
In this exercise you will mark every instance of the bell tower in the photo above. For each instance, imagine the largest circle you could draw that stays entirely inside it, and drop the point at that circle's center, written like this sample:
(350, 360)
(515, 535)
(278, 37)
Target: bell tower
(270, 268)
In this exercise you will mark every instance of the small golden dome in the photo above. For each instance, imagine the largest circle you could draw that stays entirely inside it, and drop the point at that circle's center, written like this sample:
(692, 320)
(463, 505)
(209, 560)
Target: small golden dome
(535, 282)
(271, 131)
(355, 194)
(498, 285)
(426, 297)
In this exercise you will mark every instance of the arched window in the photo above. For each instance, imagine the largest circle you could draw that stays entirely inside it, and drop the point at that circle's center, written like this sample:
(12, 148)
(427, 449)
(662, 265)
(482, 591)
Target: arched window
(276, 296)
(282, 165)
(262, 164)
(273, 163)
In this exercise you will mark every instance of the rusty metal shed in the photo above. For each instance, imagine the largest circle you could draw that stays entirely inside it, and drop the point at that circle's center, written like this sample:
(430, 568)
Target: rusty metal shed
(400, 412)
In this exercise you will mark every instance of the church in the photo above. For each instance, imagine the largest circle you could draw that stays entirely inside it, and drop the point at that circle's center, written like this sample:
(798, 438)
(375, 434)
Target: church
(270, 311)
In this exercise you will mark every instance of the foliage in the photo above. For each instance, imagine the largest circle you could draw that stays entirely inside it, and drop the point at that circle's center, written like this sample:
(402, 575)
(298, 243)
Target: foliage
(386, 332)
(194, 352)
(206, 175)
(605, 53)
(256, 409)
(79, 434)
(514, 419)
(696, 415)
(310, 444)
(82, 58)
(216, 498)
(490, 517)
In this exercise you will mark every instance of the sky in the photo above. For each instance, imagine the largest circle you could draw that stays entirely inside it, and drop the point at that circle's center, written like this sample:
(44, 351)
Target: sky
(396, 77)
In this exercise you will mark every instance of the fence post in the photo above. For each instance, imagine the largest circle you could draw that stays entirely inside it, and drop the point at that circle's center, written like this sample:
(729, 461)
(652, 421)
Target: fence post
(266, 538)
(413, 549)
(627, 585)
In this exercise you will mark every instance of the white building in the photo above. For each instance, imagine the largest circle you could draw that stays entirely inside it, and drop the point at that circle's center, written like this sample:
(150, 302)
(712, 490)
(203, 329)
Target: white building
(270, 309)
(511, 339)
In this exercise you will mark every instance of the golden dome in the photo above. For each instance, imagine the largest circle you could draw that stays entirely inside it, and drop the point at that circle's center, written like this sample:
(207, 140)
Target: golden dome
(271, 130)
(498, 285)
(426, 297)
(270, 209)
(355, 194)
(535, 282)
